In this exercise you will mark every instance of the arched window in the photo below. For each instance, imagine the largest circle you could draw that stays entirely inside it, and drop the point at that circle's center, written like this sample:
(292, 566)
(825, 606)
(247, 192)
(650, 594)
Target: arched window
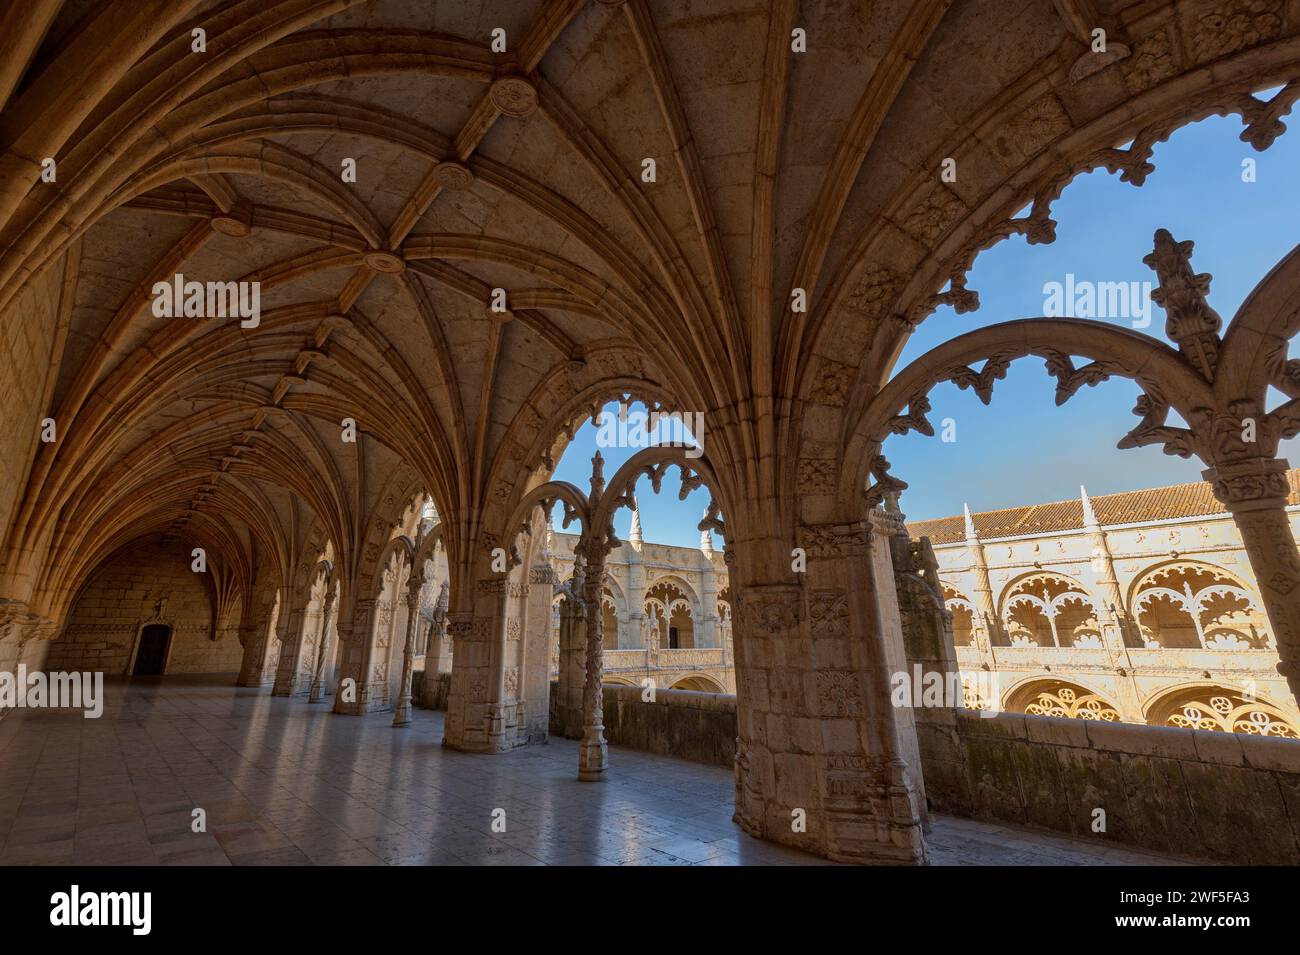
(1050, 610)
(963, 615)
(1190, 605)
(1059, 698)
(1222, 709)
(670, 613)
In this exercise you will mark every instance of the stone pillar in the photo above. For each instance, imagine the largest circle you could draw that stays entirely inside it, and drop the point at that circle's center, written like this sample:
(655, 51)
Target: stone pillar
(468, 717)
(535, 681)
(986, 625)
(402, 711)
(434, 650)
(1117, 628)
(573, 655)
(823, 762)
(593, 756)
(322, 650)
(286, 671)
(351, 693)
(706, 628)
(255, 639)
(1255, 492)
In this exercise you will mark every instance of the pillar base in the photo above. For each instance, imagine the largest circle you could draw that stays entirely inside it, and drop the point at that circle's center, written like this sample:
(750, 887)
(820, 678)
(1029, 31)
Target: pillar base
(593, 758)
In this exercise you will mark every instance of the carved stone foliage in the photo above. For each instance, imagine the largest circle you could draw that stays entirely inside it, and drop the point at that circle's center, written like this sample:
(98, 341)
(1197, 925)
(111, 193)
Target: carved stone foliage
(1154, 60)
(770, 611)
(885, 483)
(874, 291)
(915, 418)
(935, 216)
(833, 540)
(831, 383)
(1190, 321)
(981, 382)
(1070, 379)
(1233, 25)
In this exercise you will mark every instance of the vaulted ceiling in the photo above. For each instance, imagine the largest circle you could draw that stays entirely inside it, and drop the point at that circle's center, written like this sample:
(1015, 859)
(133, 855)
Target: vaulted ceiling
(213, 139)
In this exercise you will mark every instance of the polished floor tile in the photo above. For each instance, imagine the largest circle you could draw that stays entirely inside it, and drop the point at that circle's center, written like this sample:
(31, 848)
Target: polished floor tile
(282, 782)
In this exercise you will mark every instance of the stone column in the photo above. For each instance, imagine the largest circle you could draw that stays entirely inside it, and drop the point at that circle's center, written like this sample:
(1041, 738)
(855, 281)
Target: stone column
(826, 762)
(573, 667)
(535, 681)
(322, 650)
(355, 639)
(1116, 626)
(252, 666)
(986, 624)
(432, 697)
(706, 630)
(402, 712)
(593, 756)
(286, 671)
(1255, 492)
(467, 706)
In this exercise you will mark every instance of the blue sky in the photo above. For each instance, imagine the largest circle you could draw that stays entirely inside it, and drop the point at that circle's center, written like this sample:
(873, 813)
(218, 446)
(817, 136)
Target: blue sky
(1023, 449)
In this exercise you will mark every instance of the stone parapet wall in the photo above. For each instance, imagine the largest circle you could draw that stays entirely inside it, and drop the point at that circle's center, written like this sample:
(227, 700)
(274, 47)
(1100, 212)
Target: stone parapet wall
(1229, 797)
(688, 724)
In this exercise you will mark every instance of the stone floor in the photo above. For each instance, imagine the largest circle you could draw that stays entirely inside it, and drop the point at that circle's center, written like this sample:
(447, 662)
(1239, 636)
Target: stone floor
(285, 782)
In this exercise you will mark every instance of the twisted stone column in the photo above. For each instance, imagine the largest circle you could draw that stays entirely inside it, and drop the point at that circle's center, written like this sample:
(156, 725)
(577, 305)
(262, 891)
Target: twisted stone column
(322, 650)
(593, 754)
(402, 712)
(1255, 492)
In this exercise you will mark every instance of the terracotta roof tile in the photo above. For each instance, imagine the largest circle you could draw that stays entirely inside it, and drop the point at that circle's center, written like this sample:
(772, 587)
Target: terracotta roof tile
(1127, 507)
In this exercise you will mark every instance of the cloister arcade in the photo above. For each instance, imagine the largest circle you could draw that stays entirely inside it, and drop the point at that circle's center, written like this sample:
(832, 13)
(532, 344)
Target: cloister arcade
(460, 251)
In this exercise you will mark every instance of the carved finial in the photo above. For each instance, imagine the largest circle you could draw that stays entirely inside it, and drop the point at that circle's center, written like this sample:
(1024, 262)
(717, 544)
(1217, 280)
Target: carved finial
(971, 535)
(1089, 517)
(634, 534)
(706, 537)
(1190, 322)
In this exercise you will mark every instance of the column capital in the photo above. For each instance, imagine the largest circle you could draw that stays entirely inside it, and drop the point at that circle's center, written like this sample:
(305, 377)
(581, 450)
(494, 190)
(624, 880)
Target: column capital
(1250, 485)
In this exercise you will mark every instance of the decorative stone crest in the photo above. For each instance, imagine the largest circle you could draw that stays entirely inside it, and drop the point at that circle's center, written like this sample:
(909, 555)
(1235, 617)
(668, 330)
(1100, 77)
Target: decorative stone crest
(816, 475)
(839, 694)
(828, 613)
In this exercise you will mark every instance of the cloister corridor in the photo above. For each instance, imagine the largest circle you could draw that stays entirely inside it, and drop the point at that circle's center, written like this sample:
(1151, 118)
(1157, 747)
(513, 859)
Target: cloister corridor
(284, 784)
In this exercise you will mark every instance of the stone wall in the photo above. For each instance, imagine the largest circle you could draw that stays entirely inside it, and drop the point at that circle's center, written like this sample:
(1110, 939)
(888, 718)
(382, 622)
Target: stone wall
(688, 724)
(124, 594)
(1229, 797)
